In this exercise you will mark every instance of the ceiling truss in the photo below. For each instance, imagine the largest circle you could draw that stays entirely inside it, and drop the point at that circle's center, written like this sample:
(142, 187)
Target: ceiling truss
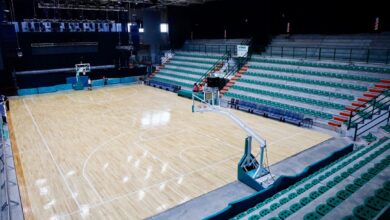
(112, 5)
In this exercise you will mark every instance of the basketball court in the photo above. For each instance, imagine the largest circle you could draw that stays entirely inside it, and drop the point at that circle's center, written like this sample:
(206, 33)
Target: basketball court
(130, 152)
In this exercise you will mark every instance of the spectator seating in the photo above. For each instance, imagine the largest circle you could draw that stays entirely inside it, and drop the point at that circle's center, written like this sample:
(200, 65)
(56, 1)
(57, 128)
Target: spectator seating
(186, 68)
(316, 89)
(164, 85)
(328, 65)
(355, 186)
(214, 45)
(271, 112)
(358, 47)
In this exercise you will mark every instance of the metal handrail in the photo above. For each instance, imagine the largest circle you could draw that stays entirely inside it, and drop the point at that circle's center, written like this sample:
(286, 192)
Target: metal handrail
(241, 60)
(363, 108)
(237, 66)
(373, 111)
(369, 123)
(64, 44)
(367, 56)
(209, 48)
(224, 57)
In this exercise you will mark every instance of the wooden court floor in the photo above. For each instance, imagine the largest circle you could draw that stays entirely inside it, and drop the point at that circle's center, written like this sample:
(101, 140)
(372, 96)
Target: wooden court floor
(129, 152)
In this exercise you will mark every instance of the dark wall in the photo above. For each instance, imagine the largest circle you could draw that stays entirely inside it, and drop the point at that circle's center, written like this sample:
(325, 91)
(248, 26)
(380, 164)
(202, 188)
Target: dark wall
(329, 17)
(240, 19)
(263, 18)
(179, 29)
(8, 56)
(152, 35)
(105, 54)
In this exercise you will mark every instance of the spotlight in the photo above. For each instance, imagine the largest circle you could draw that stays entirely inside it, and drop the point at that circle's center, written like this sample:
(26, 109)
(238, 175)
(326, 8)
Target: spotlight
(19, 53)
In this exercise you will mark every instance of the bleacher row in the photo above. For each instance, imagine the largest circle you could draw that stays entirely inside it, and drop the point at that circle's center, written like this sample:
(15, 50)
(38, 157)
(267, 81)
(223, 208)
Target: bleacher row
(267, 111)
(300, 79)
(363, 68)
(291, 97)
(357, 47)
(185, 68)
(162, 84)
(300, 89)
(313, 89)
(321, 73)
(69, 86)
(355, 186)
(281, 106)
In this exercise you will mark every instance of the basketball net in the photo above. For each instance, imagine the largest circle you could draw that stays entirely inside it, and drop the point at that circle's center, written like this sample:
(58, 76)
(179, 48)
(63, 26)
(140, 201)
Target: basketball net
(208, 101)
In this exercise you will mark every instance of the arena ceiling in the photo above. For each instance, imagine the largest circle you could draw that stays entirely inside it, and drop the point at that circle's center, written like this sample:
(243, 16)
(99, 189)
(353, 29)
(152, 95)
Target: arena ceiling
(113, 4)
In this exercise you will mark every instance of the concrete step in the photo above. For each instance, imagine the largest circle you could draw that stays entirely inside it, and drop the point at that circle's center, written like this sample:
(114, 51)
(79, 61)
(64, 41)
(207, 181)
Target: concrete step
(364, 99)
(371, 94)
(358, 103)
(377, 90)
(340, 118)
(346, 113)
(351, 108)
(382, 85)
(334, 123)
(386, 81)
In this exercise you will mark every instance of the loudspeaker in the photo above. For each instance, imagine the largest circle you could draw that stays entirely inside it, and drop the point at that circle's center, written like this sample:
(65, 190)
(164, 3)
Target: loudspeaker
(213, 82)
(216, 82)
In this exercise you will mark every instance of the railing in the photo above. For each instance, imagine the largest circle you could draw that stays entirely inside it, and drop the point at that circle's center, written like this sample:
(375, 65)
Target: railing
(226, 57)
(371, 124)
(241, 61)
(334, 54)
(4, 193)
(5, 182)
(210, 48)
(376, 104)
(66, 44)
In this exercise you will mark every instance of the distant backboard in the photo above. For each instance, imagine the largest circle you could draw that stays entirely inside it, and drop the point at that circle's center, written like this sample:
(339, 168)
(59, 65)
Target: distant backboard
(83, 66)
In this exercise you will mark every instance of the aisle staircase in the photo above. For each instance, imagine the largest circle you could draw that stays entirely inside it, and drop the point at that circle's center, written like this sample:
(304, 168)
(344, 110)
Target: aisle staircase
(359, 103)
(234, 79)
(215, 68)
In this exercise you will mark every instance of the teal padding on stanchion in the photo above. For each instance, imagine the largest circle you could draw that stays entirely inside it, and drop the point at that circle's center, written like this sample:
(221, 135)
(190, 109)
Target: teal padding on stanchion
(63, 87)
(128, 80)
(31, 91)
(113, 81)
(73, 80)
(98, 83)
(47, 89)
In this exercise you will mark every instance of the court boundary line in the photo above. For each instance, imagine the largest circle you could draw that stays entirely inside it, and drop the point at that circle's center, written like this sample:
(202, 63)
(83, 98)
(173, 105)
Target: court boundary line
(96, 205)
(85, 176)
(110, 200)
(51, 154)
(106, 101)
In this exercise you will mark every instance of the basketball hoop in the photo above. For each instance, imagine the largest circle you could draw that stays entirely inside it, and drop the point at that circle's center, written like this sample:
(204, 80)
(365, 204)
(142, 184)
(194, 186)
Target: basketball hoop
(83, 68)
